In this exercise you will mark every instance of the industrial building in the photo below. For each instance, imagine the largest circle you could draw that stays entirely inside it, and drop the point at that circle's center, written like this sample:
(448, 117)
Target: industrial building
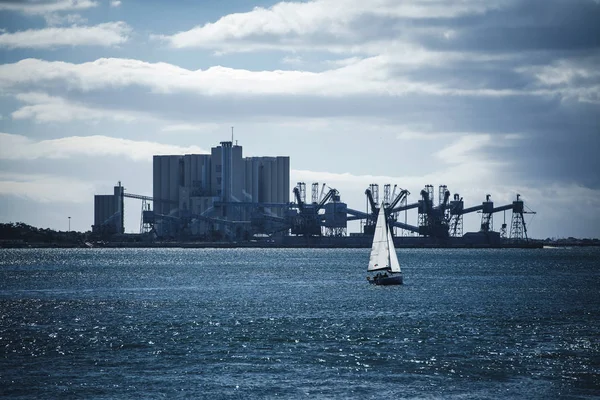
(223, 196)
(108, 212)
(200, 194)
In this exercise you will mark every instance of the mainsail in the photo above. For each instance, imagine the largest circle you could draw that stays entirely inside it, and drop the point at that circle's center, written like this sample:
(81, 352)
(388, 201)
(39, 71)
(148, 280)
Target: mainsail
(380, 251)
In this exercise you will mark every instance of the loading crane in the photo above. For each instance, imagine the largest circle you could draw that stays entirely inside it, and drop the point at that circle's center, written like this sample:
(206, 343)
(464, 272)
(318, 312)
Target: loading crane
(433, 220)
(304, 222)
(390, 210)
(372, 203)
(308, 221)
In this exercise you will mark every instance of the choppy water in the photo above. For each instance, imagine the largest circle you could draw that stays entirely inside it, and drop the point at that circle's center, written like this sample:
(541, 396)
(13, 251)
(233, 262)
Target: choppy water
(298, 323)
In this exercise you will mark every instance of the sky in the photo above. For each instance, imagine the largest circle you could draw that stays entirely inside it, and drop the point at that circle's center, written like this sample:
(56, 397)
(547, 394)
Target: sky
(498, 97)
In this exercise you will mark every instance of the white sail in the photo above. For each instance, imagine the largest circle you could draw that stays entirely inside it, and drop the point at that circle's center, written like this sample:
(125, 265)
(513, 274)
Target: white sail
(379, 258)
(394, 264)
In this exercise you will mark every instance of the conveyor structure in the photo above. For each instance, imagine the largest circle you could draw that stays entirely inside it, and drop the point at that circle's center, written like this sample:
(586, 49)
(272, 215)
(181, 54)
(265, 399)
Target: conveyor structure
(325, 215)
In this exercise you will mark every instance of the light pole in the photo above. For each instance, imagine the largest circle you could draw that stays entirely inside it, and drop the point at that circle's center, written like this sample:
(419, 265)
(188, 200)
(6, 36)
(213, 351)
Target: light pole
(69, 224)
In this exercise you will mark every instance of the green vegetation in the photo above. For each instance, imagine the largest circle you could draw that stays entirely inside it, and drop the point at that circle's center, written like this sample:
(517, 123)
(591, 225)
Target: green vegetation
(20, 234)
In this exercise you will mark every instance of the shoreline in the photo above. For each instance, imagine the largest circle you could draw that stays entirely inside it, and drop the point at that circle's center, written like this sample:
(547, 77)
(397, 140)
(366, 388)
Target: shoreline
(230, 245)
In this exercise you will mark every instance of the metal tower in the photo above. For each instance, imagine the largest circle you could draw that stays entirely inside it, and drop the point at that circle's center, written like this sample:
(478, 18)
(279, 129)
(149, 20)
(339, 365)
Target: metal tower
(487, 215)
(315, 192)
(403, 203)
(456, 216)
(372, 206)
(518, 230)
(429, 190)
(441, 201)
(302, 190)
(387, 192)
(441, 193)
(424, 210)
(375, 192)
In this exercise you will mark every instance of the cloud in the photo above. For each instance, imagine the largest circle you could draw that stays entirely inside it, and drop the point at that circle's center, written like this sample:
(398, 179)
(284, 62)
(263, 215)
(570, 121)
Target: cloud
(370, 76)
(190, 127)
(576, 78)
(163, 77)
(343, 62)
(45, 108)
(42, 188)
(290, 24)
(18, 147)
(461, 163)
(55, 19)
(292, 60)
(469, 148)
(408, 133)
(107, 34)
(115, 3)
(46, 6)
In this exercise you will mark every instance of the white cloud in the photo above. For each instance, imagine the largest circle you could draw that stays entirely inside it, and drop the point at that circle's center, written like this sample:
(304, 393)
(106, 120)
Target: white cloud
(161, 77)
(294, 22)
(572, 78)
(45, 108)
(368, 76)
(564, 71)
(44, 7)
(115, 3)
(463, 150)
(107, 34)
(18, 147)
(43, 188)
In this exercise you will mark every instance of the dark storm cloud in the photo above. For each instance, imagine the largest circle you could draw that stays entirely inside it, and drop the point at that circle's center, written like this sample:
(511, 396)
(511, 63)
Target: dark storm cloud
(542, 159)
(467, 74)
(526, 25)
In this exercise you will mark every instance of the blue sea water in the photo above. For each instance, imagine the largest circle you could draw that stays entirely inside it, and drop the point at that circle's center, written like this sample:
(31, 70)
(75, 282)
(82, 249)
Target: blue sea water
(298, 323)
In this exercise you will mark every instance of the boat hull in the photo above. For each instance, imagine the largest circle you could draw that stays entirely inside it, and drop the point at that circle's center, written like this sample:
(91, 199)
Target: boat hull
(385, 281)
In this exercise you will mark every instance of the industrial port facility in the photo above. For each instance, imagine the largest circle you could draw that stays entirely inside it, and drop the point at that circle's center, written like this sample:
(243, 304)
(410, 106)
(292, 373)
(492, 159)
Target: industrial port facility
(227, 198)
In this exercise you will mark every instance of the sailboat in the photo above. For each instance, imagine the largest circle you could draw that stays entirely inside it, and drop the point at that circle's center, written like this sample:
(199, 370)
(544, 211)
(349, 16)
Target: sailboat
(383, 259)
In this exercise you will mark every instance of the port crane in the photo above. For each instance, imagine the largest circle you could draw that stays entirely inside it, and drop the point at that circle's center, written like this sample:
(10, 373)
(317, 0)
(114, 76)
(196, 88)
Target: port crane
(308, 219)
